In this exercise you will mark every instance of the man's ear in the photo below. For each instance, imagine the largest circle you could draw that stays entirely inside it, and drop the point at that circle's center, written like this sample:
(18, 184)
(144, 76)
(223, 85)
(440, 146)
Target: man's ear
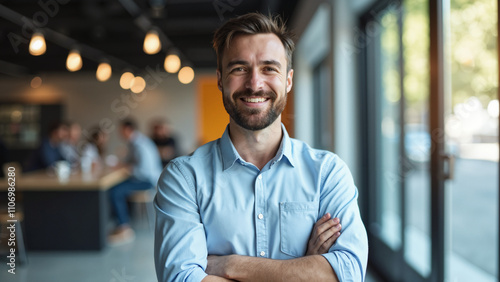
(289, 80)
(219, 80)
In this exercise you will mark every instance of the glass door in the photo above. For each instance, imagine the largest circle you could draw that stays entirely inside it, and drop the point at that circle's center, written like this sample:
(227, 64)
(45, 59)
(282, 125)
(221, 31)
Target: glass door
(399, 141)
(471, 139)
(432, 139)
(417, 228)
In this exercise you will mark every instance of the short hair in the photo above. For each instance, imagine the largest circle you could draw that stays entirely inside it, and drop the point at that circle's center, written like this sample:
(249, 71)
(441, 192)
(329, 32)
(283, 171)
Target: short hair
(129, 123)
(249, 24)
(56, 125)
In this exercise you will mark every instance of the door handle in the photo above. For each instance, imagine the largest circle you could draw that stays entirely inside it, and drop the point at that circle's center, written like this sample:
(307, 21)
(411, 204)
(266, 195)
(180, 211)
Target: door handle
(449, 170)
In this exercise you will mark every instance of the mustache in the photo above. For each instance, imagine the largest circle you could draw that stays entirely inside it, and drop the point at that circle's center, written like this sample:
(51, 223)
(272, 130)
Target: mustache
(249, 93)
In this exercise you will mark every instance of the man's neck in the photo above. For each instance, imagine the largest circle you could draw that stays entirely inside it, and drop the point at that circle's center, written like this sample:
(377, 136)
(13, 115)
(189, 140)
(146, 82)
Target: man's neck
(256, 147)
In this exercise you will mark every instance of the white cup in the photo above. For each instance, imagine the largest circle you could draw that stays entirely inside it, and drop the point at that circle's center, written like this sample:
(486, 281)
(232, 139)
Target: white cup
(63, 170)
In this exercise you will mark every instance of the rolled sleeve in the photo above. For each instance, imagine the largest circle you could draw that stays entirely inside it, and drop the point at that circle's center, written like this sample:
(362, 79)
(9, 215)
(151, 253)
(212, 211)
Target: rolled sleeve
(180, 242)
(348, 256)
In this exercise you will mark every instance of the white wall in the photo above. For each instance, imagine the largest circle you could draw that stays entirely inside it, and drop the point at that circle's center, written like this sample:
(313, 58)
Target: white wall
(310, 25)
(91, 102)
(312, 47)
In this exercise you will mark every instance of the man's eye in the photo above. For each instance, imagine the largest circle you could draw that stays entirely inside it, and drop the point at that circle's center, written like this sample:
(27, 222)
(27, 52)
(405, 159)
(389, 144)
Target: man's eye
(238, 69)
(270, 69)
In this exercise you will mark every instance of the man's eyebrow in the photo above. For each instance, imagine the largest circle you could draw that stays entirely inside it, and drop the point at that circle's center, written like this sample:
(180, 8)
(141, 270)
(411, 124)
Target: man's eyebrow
(271, 62)
(245, 63)
(237, 62)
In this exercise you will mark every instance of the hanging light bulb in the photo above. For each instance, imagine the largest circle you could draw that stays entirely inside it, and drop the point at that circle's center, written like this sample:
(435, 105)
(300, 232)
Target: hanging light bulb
(74, 61)
(152, 44)
(186, 75)
(126, 80)
(138, 84)
(36, 82)
(37, 44)
(172, 63)
(103, 72)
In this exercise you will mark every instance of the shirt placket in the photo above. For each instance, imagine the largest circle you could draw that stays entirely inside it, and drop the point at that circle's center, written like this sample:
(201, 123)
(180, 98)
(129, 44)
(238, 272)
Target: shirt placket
(260, 217)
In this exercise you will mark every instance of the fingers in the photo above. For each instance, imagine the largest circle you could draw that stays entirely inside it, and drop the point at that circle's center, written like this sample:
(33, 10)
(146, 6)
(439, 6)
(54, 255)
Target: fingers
(327, 230)
(323, 219)
(325, 233)
(328, 238)
(327, 225)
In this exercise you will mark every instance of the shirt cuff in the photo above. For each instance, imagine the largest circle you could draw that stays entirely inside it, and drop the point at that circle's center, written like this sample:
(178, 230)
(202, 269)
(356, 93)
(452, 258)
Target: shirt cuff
(196, 275)
(344, 267)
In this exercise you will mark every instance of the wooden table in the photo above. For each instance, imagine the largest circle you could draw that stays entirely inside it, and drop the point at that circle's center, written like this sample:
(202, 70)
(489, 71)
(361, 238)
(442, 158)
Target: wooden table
(65, 216)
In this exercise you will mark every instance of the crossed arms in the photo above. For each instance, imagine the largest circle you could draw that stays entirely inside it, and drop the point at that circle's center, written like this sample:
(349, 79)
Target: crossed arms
(245, 268)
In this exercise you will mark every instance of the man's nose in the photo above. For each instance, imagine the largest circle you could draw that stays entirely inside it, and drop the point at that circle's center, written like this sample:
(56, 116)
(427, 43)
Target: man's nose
(255, 81)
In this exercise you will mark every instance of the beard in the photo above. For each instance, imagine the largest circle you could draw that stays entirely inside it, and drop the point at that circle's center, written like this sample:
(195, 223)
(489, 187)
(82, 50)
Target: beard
(254, 119)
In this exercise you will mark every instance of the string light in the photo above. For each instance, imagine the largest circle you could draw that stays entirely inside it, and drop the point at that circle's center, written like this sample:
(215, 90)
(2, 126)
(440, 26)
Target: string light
(172, 63)
(138, 84)
(74, 61)
(103, 72)
(37, 44)
(126, 80)
(152, 44)
(36, 82)
(186, 75)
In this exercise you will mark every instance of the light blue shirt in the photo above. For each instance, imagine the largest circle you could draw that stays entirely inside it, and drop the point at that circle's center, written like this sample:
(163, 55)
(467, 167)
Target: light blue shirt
(214, 203)
(144, 158)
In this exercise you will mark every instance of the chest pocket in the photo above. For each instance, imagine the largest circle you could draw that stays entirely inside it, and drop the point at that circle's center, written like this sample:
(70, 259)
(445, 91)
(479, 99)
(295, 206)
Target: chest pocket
(296, 222)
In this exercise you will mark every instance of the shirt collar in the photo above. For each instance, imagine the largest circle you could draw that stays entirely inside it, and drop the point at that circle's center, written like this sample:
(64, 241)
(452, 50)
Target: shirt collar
(230, 155)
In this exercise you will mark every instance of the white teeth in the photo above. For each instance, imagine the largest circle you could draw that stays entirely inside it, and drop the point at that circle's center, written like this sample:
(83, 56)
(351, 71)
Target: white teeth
(254, 100)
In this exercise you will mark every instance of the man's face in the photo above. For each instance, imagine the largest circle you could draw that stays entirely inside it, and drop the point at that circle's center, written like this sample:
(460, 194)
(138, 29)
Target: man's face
(254, 81)
(126, 132)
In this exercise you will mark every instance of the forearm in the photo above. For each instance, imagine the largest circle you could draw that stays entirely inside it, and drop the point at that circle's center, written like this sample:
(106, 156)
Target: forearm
(213, 278)
(244, 268)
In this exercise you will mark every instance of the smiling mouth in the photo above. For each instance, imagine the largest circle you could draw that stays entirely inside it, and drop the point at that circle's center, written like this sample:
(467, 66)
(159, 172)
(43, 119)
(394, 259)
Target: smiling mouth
(254, 99)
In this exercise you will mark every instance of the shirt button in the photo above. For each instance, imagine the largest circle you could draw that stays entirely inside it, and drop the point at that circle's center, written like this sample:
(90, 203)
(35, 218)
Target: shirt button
(262, 253)
(260, 177)
(261, 216)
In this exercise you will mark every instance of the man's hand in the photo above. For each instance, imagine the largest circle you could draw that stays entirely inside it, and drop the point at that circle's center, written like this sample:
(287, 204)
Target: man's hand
(324, 234)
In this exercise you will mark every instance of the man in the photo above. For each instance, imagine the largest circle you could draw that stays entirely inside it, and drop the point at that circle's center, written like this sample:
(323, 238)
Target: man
(244, 207)
(162, 136)
(144, 165)
(49, 151)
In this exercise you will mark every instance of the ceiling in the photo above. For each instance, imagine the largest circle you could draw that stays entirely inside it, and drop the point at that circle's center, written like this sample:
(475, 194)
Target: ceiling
(114, 30)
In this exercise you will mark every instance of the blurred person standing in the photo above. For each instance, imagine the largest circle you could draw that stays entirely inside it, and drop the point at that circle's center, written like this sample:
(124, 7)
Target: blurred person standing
(165, 142)
(144, 165)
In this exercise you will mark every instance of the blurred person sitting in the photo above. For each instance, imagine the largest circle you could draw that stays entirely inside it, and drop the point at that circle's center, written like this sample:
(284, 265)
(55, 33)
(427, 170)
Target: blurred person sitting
(165, 142)
(95, 147)
(144, 165)
(69, 145)
(49, 151)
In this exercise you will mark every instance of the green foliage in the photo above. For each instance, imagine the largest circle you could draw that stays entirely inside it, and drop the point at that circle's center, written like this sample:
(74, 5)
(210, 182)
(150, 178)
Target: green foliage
(473, 52)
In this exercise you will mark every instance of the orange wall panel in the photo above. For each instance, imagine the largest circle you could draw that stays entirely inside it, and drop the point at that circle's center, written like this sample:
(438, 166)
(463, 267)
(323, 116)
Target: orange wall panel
(212, 117)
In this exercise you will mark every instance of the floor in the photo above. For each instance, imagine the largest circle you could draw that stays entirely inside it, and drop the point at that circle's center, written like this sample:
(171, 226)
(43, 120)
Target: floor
(127, 263)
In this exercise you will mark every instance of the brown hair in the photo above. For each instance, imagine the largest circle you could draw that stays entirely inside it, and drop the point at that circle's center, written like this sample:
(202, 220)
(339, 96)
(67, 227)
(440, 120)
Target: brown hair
(252, 23)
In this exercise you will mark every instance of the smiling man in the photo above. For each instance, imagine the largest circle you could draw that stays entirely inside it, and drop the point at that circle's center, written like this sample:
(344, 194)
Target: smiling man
(256, 204)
